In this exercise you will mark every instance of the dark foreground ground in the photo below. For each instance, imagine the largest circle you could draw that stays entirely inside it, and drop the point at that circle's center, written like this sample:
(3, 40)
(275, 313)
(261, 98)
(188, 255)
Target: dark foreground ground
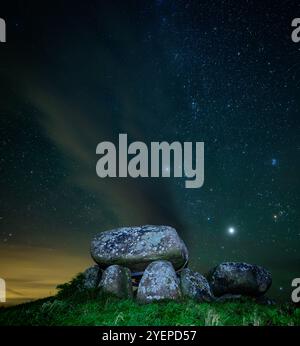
(74, 307)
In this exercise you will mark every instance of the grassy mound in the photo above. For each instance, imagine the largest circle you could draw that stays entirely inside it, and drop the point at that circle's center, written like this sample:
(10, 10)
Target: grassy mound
(75, 306)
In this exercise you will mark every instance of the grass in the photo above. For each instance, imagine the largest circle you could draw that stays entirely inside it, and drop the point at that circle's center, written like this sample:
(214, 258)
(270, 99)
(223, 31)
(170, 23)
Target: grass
(73, 306)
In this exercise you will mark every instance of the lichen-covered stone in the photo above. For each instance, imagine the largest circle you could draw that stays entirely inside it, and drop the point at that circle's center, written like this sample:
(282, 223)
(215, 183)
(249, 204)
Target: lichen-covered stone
(136, 247)
(239, 278)
(116, 280)
(158, 282)
(91, 277)
(195, 286)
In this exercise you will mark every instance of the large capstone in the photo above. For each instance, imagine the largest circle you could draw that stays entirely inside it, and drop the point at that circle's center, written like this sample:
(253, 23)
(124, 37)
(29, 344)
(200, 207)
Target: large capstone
(91, 277)
(136, 247)
(158, 282)
(239, 278)
(195, 286)
(116, 280)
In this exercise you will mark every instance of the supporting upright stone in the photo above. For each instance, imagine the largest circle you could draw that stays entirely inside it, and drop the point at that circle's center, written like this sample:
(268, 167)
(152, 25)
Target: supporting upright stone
(116, 280)
(195, 286)
(159, 282)
(91, 277)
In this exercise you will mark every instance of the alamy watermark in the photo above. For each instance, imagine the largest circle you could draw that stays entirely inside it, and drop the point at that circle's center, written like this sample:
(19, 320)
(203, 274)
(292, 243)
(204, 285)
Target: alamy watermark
(2, 291)
(296, 32)
(159, 155)
(296, 291)
(2, 30)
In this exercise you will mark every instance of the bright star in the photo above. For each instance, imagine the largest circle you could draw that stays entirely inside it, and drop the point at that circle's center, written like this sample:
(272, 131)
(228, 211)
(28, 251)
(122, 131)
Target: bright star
(231, 230)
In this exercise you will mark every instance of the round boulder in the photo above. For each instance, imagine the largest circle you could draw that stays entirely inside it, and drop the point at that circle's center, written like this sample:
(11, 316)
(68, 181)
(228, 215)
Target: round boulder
(136, 247)
(116, 280)
(195, 286)
(158, 282)
(239, 278)
(91, 277)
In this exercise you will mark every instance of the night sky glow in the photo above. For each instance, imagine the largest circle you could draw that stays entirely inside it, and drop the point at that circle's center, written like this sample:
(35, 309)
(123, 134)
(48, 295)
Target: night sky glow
(76, 73)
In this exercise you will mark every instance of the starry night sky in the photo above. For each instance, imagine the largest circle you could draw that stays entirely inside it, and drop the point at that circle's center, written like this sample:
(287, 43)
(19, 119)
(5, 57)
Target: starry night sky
(76, 73)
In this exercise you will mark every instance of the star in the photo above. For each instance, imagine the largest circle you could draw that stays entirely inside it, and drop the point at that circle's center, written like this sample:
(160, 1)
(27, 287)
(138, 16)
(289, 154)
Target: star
(231, 230)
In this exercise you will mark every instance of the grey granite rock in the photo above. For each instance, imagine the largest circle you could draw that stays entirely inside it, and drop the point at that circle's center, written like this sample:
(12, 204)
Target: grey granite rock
(91, 277)
(195, 286)
(116, 280)
(136, 247)
(239, 278)
(158, 282)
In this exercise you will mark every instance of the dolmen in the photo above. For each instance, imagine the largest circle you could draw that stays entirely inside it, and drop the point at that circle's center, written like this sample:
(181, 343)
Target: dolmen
(156, 259)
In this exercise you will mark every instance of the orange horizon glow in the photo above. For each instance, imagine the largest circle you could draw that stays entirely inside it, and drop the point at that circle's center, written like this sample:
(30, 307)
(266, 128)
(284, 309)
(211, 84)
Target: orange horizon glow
(34, 272)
